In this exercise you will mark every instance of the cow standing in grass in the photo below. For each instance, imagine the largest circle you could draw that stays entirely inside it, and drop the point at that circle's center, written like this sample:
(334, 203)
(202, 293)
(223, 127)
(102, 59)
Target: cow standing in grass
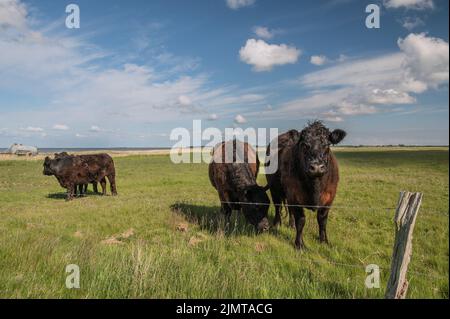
(72, 171)
(307, 175)
(82, 188)
(232, 172)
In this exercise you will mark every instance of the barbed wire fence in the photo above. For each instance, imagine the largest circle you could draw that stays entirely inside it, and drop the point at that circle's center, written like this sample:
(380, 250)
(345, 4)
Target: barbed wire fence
(399, 283)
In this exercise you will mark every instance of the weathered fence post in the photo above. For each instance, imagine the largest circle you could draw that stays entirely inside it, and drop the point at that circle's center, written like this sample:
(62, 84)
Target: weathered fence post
(405, 219)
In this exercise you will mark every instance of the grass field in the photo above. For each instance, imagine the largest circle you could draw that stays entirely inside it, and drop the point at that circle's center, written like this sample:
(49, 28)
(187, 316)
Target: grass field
(175, 245)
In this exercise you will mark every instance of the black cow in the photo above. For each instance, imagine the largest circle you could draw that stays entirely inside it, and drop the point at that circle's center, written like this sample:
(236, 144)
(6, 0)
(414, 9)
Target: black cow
(307, 175)
(235, 182)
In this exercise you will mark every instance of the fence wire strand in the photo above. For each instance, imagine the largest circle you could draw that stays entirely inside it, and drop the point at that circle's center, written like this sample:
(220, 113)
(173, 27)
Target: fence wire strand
(326, 207)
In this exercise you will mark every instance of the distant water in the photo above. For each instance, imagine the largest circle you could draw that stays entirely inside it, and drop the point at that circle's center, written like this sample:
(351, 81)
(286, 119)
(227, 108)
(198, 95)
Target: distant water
(70, 149)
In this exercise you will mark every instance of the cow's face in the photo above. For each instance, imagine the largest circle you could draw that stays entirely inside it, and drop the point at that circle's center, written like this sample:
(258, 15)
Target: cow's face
(256, 211)
(48, 167)
(315, 142)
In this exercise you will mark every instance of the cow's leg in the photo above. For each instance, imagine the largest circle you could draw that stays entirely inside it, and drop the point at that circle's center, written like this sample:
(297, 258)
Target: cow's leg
(291, 219)
(79, 188)
(95, 187)
(85, 189)
(322, 217)
(103, 185)
(300, 219)
(112, 182)
(225, 206)
(70, 192)
(225, 209)
(278, 206)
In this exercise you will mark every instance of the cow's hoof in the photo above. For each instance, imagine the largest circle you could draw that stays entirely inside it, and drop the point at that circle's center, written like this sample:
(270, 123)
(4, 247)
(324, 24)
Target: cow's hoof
(300, 246)
(114, 194)
(323, 240)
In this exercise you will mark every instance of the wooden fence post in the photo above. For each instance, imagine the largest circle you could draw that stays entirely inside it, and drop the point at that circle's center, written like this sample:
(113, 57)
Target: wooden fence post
(405, 219)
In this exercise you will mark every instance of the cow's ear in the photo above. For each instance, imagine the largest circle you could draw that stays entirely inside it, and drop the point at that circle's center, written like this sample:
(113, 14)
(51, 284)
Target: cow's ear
(337, 136)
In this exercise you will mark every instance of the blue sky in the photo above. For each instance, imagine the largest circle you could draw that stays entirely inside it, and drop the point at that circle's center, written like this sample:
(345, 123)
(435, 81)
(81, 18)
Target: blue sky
(135, 70)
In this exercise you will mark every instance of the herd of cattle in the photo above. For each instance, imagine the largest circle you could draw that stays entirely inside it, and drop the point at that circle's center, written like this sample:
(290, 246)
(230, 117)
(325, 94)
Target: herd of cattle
(306, 177)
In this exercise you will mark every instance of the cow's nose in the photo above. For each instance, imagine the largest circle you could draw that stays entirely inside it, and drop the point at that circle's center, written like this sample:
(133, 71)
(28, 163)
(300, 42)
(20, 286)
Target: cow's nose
(317, 168)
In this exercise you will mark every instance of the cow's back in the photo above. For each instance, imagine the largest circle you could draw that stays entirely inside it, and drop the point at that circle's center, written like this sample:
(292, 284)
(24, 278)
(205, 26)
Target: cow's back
(231, 164)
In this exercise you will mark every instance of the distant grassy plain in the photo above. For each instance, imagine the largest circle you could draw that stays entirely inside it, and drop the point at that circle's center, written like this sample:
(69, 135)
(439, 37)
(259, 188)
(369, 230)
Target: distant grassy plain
(163, 237)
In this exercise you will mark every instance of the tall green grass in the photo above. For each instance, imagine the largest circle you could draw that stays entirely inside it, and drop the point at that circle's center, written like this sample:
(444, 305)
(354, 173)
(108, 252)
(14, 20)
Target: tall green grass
(181, 248)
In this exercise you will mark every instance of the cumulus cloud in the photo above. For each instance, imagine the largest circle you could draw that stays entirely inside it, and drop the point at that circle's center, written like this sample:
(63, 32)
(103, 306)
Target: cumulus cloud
(426, 59)
(75, 78)
(264, 56)
(318, 60)
(237, 4)
(410, 23)
(95, 129)
(184, 100)
(33, 129)
(60, 127)
(409, 4)
(364, 86)
(213, 117)
(390, 96)
(264, 32)
(239, 119)
(12, 14)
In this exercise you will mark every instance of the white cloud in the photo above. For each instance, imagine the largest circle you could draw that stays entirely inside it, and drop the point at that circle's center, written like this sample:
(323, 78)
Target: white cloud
(264, 56)
(357, 72)
(365, 86)
(60, 127)
(390, 96)
(410, 23)
(263, 32)
(79, 135)
(12, 14)
(213, 117)
(318, 60)
(237, 4)
(426, 59)
(184, 100)
(33, 129)
(330, 117)
(95, 129)
(239, 119)
(409, 4)
(71, 75)
(342, 58)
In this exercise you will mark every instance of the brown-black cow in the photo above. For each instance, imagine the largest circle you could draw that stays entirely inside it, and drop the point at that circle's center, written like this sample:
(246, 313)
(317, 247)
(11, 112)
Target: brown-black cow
(307, 175)
(232, 172)
(82, 188)
(72, 171)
